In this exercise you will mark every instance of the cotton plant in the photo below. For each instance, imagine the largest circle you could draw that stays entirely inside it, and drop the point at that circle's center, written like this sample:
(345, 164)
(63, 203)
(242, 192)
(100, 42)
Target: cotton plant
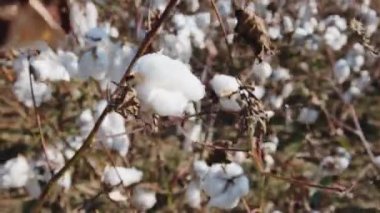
(164, 91)
(225, 184)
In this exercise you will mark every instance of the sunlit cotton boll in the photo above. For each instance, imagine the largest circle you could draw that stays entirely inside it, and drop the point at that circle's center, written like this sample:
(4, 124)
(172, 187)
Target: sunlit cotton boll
(341, 70)
(165, 85)
(193, 195)
(334, 38)
(115, 175)
(143, 198)
(224, 86)
(308, 116)
(15, 173)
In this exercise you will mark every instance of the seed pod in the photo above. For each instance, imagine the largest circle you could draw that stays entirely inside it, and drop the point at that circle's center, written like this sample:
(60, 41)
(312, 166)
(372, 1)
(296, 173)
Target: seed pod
(251, 29)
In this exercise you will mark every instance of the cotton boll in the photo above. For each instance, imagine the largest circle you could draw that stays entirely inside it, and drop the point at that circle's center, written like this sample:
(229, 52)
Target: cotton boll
(166, 103)
(112, 133)
(280, 74)
(334, 38)
(341, 70)
(224, 201)
(259, 92)
(276, 101)
(288, 24)
(224, 85)
(143, 198)
(213, 183)
(166, 91)
(203, 20)
(262, 71)
(274, 32)
(114, 175)
(46, 66)
(21, 88)
(308, 116)
(287, 90)
(83, 18)
(117, 196)
(355, 57)
(201, 168)
(231, 196)
(335, 164)
(70, 61)
(153, 69)
(94, 63)
(193, 195)
(232, 170)
(15, 173)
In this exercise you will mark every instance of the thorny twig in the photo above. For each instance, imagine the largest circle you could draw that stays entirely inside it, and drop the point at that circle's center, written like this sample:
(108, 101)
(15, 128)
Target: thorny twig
(89, 140)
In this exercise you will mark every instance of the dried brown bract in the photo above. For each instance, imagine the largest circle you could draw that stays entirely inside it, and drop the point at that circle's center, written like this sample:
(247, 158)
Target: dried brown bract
(124, 101)
(252, 109)
(251, 29)
(357, 27)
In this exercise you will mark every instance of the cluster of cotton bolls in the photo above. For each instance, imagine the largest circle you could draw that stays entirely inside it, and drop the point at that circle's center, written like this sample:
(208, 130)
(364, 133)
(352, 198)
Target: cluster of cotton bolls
(190, 31)
(224, 184)
(96, 57)
(20, 172)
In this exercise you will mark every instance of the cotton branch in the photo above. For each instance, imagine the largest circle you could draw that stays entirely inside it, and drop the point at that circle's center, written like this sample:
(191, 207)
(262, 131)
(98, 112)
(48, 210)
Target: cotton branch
(90, 138)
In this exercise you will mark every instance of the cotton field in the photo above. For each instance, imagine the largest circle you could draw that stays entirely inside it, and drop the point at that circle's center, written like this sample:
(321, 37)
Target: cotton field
(190, 106)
